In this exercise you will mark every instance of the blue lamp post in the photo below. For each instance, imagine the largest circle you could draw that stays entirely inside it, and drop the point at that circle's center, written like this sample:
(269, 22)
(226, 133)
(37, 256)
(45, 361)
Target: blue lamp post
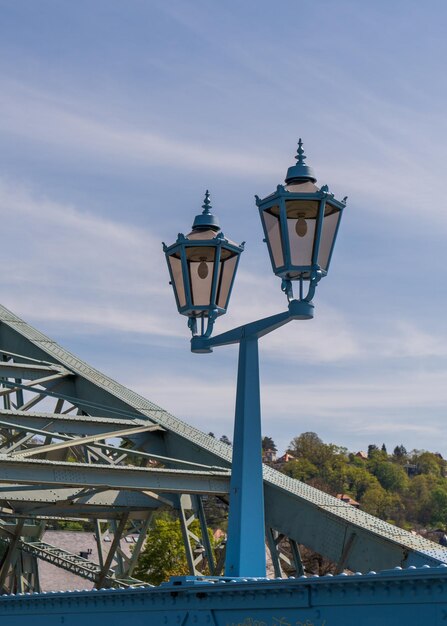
(300, 223)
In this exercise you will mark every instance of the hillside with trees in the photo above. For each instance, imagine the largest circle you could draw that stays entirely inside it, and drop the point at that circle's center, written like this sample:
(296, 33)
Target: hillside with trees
(405, 488)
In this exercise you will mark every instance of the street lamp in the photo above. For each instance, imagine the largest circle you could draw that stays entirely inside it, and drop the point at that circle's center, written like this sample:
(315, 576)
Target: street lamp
(202, 266)
(300, 223)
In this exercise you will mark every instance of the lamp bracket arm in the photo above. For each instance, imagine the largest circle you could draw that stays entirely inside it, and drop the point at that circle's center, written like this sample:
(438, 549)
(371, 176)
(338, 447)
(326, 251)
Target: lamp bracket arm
(257, 329)
(298, 309)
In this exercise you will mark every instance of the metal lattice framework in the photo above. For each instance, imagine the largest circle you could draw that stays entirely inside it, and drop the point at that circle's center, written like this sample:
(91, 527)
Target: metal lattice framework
(98, 451)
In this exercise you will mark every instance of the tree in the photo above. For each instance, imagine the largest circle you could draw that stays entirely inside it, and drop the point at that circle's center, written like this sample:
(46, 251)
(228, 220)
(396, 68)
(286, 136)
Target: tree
(269, 444)
(358, 481)
(384, 448)
(224, 439)
(392, 477)
(371, 449)
(164, 552)
(429, 463)
(309, 446)
(211, 434)
(418, 498)
(377, 501)
(303, 469)
(438, 503)
(400, 454)
(306, 444)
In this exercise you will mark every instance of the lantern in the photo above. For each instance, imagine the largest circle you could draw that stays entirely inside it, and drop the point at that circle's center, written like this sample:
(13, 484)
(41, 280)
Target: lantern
(202, 266)
(300, 223)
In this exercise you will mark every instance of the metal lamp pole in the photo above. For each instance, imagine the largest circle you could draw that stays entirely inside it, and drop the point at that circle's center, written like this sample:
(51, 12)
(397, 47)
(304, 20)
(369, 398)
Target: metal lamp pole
(300, 223)
(246, 527)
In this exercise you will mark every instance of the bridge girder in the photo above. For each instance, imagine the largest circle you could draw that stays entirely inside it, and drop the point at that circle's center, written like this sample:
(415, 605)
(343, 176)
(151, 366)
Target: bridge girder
(157, 455)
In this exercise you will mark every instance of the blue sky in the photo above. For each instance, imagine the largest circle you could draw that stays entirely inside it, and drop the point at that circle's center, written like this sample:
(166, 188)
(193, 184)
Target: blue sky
(114, 119)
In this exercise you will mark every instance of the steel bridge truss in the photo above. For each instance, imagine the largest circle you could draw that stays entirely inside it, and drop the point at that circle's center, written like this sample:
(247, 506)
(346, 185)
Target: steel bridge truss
(76, 445)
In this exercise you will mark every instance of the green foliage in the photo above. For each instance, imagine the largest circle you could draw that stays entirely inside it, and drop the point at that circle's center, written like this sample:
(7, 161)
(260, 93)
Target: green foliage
(309, 446)
(391, 476)
(73, 525)
(418, 498)
(429, 463)
(406, 489)
(438, 503)
(269, 444)
(164, 553)
(359, 480)
(303, 469)
(216, 512)
(375, 501)
(371, 449)
(399, 454)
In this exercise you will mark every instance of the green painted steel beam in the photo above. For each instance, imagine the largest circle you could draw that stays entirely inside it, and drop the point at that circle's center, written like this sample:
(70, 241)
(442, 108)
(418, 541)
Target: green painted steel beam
(51, 428)
(30, 372)
(44, 472)
(21, 496)
(82, 441)
(67, 424)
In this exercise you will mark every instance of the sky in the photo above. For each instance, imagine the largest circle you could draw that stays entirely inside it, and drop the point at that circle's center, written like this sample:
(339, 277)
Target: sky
(115, 117)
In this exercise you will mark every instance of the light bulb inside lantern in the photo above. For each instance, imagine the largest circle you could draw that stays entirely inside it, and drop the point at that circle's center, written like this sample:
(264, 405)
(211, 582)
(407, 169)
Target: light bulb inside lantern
(202, 270)
(301, 227)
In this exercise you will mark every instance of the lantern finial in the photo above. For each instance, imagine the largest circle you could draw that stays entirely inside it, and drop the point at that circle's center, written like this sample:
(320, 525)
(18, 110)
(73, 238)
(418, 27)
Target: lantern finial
(300, 156)
(206, 206)
(206, 220)
(300, 172)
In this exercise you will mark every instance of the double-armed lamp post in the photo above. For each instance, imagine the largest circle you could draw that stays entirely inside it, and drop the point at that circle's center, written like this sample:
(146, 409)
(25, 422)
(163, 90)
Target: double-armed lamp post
(300, 223)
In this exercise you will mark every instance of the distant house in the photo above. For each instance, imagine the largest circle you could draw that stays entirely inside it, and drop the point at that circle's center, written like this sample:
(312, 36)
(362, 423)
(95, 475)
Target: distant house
(361, 454)
(269, 456)
(285, 458)
(219, 535)
(411, 469)
(348, 500)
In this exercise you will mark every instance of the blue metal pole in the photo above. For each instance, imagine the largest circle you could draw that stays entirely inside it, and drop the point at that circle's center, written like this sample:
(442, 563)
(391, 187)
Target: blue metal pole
(245, 555)
(246, 528)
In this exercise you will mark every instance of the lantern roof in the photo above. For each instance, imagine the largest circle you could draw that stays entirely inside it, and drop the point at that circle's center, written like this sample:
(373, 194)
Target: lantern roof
(206, 220)
(300, 172)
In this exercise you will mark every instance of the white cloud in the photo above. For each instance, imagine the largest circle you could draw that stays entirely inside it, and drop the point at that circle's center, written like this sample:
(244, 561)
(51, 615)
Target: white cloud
(68, 265)
(400, 407)
(359, 393)
(408, 340)
(29, 113)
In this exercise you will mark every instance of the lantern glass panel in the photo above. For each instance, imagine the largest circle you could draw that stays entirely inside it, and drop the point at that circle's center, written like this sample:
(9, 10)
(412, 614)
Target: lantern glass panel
(201, 267)
(301, 226)
(302, 244)
(227, 271)
(330, 222)
(177, 275)
(272, 228)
